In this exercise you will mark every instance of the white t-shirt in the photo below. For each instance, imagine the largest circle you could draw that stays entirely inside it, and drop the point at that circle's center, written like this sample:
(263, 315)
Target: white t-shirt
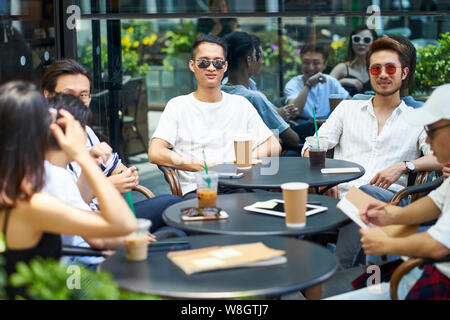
(191, 126)
(440, 231)
(61, 183)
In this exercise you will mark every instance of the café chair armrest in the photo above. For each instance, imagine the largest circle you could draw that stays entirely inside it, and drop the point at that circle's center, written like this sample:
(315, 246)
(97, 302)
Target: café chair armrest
(68, 250)
(171, 177)
(417, 189)
(145, 191)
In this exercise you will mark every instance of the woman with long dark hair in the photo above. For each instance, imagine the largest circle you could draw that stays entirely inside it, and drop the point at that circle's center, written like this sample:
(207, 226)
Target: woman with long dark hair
(352, 73)
(31, 220)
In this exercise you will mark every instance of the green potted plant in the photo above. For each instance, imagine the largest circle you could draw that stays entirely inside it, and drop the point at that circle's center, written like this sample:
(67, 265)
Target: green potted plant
(50, 280)
(433, 66)
(179, 44)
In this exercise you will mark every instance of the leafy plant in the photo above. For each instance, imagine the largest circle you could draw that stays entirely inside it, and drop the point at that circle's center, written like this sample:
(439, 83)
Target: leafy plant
(178, 42)
(49, 280)
(433, 65)
(338, 52)
(291, 53)
(3, 278)
(137, 38)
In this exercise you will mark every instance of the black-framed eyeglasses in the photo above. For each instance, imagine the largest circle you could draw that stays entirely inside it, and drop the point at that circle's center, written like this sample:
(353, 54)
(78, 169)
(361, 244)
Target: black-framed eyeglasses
(358, 39)
(218, 63)
(432, 131)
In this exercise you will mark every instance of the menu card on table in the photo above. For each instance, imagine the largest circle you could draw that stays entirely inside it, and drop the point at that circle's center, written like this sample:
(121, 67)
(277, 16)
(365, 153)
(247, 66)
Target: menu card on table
(226, 257)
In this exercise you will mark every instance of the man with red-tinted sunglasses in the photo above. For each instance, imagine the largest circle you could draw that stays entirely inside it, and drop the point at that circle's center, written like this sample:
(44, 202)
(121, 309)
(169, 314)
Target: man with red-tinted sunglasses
(374, 134)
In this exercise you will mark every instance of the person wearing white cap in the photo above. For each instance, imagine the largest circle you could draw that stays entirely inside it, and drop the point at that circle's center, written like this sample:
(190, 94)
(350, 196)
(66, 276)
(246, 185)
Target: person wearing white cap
(433, 282)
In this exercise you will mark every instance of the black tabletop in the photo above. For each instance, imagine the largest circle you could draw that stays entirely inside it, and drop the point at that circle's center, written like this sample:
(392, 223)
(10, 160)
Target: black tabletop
(272, 174)
(242, 222)
(307, 264)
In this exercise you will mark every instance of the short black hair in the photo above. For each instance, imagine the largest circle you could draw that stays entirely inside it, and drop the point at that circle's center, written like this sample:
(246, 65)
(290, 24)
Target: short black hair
(63, 67)
(72, 104)
(240, 45)
(256, 44)
(315, 47)
(210, 39)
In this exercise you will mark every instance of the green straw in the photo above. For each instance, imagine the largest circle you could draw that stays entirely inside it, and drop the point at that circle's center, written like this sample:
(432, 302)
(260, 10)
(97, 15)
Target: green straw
(206, 170)
(130, 203)
(315, 126)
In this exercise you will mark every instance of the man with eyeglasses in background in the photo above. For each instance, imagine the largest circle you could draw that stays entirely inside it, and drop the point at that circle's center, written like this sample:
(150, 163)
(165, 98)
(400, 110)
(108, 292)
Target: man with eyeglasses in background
(207, 119)
(374, 134)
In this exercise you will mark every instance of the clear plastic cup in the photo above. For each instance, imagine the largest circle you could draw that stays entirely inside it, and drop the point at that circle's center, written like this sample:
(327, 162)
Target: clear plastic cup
(207, 188)
(136, 244)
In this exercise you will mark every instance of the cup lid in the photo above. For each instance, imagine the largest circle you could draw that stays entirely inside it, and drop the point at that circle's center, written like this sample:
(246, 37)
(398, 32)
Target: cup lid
(242, 137)
(294, 186)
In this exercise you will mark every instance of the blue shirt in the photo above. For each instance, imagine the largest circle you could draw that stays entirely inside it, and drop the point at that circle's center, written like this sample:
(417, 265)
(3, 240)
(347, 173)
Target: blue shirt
(317, 96)
(409, 100)
(265, 108)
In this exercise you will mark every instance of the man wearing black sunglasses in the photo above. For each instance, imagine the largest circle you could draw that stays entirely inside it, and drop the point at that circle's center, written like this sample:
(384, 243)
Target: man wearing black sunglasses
(374, 134)
(202, 125)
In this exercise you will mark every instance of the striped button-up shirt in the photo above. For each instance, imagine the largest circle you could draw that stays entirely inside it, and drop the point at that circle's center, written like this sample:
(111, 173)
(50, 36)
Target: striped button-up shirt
(352, 130)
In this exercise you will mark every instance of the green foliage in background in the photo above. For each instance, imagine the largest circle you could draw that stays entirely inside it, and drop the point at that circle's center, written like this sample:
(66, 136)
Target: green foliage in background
(137, 37)
(338, 52)
(291, 53)
(3, 278)
(179, 42)
(433, 66)
(48, 279)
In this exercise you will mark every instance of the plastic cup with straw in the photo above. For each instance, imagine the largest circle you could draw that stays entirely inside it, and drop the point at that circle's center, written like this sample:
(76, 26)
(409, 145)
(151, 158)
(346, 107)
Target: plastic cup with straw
(206, 170)
(315, 126)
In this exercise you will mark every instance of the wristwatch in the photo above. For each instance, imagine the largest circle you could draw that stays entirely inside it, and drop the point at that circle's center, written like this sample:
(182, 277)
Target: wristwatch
(410, 167)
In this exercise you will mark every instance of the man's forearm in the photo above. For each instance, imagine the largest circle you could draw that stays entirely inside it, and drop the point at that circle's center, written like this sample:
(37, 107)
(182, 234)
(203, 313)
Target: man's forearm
(300, 101)
(420, 245)
(169, 158)
(427, 163)
(422, 210)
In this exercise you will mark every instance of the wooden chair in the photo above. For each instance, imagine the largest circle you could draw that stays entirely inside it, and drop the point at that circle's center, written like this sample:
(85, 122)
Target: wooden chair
(170, 175)
(419, 188)
(407, 266)
(68, 250)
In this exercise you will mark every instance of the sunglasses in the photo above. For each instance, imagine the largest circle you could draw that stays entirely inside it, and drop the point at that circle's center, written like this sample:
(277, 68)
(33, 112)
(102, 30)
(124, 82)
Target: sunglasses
(431, 132)
(390, 68)
(358, 39)
(218, 64)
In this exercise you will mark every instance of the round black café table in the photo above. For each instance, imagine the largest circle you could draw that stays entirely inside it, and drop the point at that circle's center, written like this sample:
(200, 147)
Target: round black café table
(307, 264)
(242, 222)
(291, 169)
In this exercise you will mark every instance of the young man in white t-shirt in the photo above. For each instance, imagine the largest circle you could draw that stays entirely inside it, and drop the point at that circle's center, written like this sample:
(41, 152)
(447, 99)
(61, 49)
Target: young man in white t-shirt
(207, 119)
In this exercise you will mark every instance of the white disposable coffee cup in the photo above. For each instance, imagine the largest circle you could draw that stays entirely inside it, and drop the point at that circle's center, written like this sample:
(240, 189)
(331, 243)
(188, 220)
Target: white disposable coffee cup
(243, 150)
(295, 196)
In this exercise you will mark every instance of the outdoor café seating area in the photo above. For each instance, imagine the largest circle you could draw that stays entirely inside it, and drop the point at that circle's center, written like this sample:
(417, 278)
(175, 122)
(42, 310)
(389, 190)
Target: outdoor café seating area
(222, 150)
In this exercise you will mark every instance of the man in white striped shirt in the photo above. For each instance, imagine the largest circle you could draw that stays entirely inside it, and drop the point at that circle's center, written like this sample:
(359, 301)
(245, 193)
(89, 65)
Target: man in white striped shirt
(374, 134)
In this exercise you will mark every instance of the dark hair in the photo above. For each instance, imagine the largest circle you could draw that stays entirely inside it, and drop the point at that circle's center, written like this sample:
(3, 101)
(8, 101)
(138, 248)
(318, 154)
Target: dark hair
(350, 54)
(387, 43)
(24, 129)
(63, 67)
(240, 46)
(412, 57)
(210, 39)
(256, 44)
(72, 104)
(315, 47)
